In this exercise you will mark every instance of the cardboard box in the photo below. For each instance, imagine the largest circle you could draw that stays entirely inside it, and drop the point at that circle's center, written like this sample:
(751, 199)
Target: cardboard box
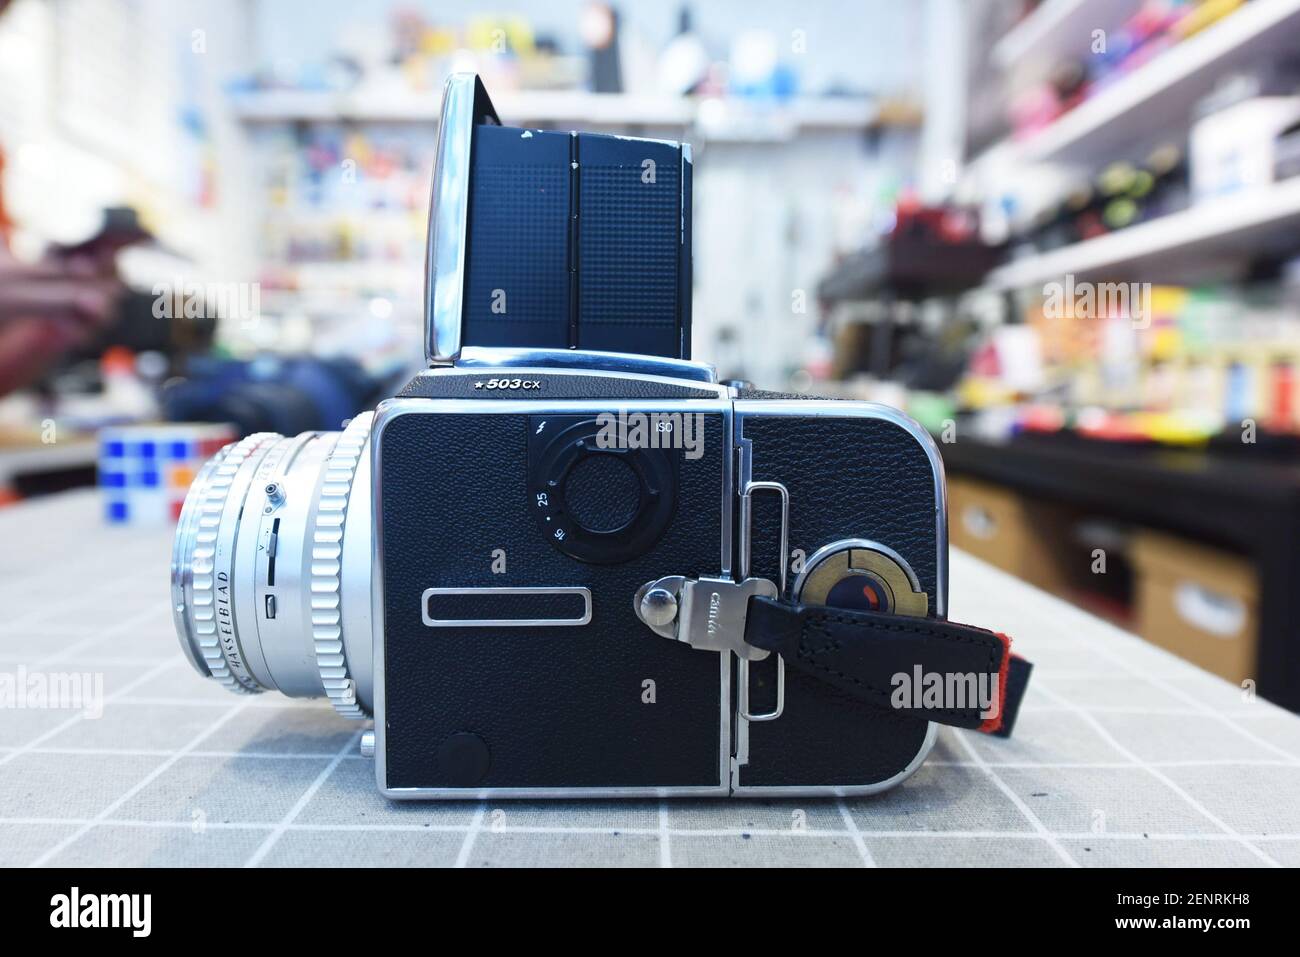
(986, 521)
(1018, 535)
(1198, 602)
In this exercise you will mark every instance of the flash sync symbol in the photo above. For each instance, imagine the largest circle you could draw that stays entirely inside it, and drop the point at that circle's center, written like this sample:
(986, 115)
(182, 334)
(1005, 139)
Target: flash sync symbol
(509, 384)
(540, 427)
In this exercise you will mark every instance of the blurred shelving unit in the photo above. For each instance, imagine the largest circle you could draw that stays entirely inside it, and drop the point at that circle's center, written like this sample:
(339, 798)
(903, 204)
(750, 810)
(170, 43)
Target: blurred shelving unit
(1225, 505)
(324, 262)
(1233, 226)
(1156, 98)
(1056, 29)
(293, 106)
(1037, 498)
(30, 462)
(587, 109)
(1164, 90)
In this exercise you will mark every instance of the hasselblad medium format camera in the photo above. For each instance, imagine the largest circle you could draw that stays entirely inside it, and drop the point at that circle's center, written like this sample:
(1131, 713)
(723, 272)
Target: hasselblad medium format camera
(552, 567)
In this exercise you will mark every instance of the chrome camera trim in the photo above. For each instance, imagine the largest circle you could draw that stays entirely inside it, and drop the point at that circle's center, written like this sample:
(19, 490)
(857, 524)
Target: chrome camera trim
(465, 104)
(583, 619)
(582, 361)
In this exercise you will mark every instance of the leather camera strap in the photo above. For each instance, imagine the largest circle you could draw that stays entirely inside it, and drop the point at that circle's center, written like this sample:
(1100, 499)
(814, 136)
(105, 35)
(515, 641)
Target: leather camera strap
(935, 669)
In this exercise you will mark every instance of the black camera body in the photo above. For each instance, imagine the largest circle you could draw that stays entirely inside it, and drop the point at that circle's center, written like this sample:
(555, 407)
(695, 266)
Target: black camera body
(514, 546)
(598, 570)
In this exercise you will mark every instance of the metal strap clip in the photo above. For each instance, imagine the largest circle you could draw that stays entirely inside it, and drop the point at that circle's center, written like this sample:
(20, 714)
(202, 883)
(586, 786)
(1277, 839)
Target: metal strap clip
(709, 613)
(706, 613)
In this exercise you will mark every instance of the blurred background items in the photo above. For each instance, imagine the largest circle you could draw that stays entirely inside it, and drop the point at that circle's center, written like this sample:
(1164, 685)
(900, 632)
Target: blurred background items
(1061, 234)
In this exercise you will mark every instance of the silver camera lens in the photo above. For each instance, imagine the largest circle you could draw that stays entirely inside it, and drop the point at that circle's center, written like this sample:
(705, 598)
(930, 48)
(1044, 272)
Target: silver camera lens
(271, 567)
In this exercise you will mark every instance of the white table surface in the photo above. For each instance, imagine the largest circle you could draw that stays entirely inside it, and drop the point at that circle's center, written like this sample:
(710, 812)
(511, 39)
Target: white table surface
(1124, 755)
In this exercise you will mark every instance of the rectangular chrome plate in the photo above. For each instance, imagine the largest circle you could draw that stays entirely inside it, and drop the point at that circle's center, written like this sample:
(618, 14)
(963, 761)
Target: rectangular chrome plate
(432, 622)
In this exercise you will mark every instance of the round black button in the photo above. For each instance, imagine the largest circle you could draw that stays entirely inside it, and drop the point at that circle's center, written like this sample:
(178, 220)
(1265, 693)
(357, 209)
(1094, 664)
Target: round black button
(463, 759)
(603, 493)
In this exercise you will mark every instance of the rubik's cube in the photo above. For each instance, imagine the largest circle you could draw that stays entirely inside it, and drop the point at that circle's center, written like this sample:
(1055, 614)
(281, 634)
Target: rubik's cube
(145, 470)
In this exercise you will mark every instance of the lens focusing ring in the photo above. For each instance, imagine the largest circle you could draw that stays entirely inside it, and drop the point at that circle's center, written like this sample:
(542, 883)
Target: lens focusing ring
(194, 564)
(327, 567)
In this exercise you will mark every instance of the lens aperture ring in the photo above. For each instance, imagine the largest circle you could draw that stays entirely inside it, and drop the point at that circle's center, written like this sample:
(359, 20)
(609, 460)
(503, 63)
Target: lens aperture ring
(327, 567)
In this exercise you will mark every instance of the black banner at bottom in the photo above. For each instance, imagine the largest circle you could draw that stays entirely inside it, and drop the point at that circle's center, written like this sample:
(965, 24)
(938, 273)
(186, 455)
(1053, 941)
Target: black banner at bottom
(363, 907)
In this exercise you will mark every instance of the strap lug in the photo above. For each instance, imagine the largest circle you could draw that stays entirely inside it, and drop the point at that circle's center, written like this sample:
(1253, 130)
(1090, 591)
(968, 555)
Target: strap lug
(709, 614)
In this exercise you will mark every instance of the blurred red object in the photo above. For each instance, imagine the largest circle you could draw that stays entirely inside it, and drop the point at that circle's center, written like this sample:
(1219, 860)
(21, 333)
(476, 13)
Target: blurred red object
(6, 224)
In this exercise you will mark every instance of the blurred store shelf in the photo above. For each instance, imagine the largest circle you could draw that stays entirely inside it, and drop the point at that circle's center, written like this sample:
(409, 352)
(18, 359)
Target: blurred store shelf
(1175, 245)
(309, 106)
(1057, 29)
(591, 109)
(1230, 498)
(1165, 90)
(31, 460)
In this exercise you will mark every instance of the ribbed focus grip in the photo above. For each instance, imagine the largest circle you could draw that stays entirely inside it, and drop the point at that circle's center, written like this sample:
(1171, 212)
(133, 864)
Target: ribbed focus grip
(939, 670)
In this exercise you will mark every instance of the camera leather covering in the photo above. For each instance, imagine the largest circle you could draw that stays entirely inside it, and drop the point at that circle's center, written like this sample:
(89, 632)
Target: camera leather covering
(559, 708)
(848, 476)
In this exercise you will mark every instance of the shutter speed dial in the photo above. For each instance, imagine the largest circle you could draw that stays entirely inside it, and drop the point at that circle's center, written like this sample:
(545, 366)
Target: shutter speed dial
(596, 503)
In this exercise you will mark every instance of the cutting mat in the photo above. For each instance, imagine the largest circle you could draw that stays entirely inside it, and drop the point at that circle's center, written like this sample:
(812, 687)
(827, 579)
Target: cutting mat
(1124, 755)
